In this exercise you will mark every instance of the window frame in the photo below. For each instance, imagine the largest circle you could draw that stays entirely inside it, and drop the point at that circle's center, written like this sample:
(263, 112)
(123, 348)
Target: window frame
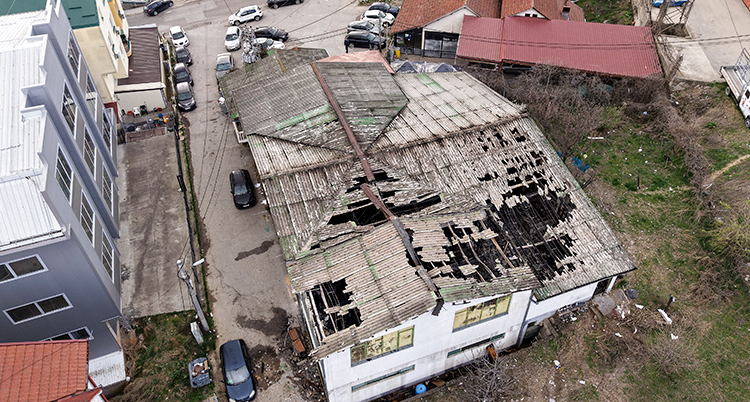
(15, 275)
(107, 130)
(475, 345)
(111, 265)
(108, 189)
(92, 95)
(381, 344)
(67, 190)
(92, 217)
(89, 151)
(74, 54)
(468, 311)
(35, 303)
(69, 109)
(382, 378)
(88, 331)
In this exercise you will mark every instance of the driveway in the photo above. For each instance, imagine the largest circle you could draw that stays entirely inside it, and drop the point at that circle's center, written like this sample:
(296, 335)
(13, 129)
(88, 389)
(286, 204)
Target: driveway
(245, 265)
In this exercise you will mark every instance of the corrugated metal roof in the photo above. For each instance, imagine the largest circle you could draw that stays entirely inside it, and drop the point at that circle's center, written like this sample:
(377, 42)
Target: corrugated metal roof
(418, 13)
(18, 7)
(370, 56)
(43, 371)
(145, 63)
(26, 216)
(615, 50)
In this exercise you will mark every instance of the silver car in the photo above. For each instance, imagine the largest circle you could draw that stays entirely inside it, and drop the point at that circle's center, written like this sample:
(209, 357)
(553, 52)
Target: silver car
(224, 63)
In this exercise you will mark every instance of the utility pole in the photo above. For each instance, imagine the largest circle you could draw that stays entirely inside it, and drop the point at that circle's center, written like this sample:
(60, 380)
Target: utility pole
(182, 274)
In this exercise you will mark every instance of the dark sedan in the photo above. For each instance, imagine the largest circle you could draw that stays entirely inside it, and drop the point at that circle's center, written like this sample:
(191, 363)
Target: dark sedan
(365, 39)
(386, 8)
(155, 7)
(241, 186)
(237, 371)
(272, 33)
(182, 74)
(183, 55)
(277, 3)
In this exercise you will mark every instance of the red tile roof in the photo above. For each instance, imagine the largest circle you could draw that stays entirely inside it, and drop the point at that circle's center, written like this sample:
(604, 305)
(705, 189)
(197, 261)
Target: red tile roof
(615, 50)
(43, 371)
(551, 9)
(370, 56)
(418, 13)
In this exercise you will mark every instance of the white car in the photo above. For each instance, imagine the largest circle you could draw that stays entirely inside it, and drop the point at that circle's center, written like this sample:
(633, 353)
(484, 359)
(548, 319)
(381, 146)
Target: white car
(377, 15)
(268, 43)
(179, 37)
(224, 64)
(233, 38)
(249, 13)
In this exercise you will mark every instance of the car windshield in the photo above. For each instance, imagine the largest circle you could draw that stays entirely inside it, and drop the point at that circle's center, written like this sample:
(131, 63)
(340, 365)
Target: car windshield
(371, 36)
(231, 36)
(178, 35)
(223, 66)
(240, 188)
(271, 31)
(183, 96)
(182, 53)
(237, 376)
(181, 74)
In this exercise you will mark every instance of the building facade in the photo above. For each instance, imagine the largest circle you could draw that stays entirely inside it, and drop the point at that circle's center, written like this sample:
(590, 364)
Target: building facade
(59, 266)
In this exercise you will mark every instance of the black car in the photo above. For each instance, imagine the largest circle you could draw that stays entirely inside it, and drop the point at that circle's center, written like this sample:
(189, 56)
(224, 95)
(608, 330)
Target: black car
(272, 33)
(155, 7)
(365, 39)
(386, 8)
(237, 371)
(185, 98)
(182, 55)
(242, 188)
(277, 3)
(182, 74)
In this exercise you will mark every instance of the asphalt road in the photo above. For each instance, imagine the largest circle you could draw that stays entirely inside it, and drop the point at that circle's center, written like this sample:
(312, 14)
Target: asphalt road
(245, 265)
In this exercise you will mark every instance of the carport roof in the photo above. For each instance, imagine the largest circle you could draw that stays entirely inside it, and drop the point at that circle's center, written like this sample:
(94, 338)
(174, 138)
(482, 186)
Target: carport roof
(145, 60)
(610, 49)
(481, 205)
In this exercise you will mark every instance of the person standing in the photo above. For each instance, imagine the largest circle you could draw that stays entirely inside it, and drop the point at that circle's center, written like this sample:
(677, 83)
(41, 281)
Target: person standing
(346, 44)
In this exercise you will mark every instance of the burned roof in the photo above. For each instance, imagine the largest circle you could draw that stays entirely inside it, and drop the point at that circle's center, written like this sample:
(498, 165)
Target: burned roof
(458, 196)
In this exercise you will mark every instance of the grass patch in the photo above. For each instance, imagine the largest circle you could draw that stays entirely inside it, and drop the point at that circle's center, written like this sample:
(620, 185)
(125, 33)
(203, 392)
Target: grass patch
(614, 12)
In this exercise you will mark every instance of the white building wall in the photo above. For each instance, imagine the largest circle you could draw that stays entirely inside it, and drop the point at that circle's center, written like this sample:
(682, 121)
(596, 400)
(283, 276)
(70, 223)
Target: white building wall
(530, 13)
(450, 23)
(433, 340)
(546, 308)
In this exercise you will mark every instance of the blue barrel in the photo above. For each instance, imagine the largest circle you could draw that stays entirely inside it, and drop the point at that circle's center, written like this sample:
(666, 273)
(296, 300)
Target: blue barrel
(421, 389)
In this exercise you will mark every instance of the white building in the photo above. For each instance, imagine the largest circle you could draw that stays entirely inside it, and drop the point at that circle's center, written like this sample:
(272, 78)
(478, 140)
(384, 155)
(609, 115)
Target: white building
(59, 267)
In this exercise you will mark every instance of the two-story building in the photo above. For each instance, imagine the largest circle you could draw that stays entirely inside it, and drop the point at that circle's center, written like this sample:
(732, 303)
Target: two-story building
(59, 266)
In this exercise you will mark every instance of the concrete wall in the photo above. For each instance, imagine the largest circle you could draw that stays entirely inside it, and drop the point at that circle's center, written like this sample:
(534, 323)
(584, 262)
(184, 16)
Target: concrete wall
(450, 23)
(530, 13)
(153, 97)
(433, 340)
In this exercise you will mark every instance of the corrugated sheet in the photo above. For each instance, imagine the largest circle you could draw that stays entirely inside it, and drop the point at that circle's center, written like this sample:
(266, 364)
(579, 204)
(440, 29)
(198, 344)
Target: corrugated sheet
(14, 28)
(145, 63)
(371, 56)
(615, 50)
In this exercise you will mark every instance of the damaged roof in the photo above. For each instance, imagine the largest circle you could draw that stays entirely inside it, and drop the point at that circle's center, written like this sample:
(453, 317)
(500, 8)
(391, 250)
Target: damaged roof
(465, 198)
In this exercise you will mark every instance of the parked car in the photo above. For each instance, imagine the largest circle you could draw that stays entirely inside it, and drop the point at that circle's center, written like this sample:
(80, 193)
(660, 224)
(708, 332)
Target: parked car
(224, 63)
(365, 39)
(674, 3)
(268, 43)
(182, 55)
(233, 38)
(181, 73)
(185, 98)
(179, 37)
(368, 26)
(277, 3)
(156, 7)
(386, 8)
(273, 33)
(241, 186)
(378, 16)
(237, 371)
(245, 14)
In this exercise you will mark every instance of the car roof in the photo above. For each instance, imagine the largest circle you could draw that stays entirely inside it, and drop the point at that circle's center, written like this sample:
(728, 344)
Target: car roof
(175, 28)
(183, 87)
(232, 29)
(231, 354)
(359, 33)
(180, 66)
(224, 57)
(249, 7)
(178, 48)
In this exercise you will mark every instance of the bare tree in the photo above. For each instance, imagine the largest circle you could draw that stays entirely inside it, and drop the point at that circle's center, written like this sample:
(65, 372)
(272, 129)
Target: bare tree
(489, 380)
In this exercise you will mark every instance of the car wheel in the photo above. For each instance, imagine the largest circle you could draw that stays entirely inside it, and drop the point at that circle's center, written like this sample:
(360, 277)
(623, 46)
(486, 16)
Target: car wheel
(275, 6)
(237, 23)
(257, 17)
(297, 1)
(747, 122)
(155, 13)
(728, 91)
(171, 4)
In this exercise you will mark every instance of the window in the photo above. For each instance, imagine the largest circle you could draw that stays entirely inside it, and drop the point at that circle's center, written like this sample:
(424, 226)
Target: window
(87, 217)
(63, 173)
(386, 344)
(383, 378)
(38, 309)
(19, 268)
(108, 257)
(475, 344)
(91, 95)
(107, 188)
(74, 55)
(69, 109)
(107, 131)
(80, 333)
(480, 313)
(89, 151)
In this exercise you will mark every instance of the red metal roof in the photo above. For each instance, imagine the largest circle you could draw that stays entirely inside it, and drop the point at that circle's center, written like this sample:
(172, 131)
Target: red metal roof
(418, 13)
(615, 50)
(43, 371)
(552, 9)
